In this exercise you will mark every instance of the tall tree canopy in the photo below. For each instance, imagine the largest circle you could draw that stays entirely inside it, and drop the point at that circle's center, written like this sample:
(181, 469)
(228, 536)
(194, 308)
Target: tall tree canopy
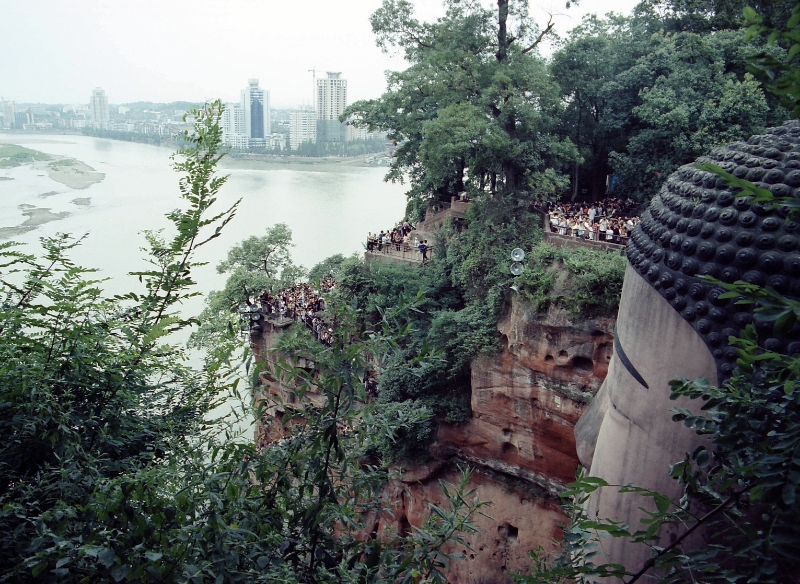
(647, 93)
(476, 109)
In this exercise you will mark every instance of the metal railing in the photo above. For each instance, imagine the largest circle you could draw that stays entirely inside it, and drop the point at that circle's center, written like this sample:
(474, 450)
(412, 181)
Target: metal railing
(401, 251)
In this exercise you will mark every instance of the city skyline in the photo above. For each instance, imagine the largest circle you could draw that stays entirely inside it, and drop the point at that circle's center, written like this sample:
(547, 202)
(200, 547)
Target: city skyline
(137, 53)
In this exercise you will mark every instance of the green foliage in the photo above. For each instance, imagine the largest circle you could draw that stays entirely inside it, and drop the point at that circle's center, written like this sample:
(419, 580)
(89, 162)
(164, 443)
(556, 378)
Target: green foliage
(650, 92)
(269, 253)
(586, 282)
(708, 16)
(117, 465)
(156, 139)
(253, 266)
(479, 258)
(12, 155)
(779, 73)
(411, 442)
(689, 102)
(327, 268)
(476, 98)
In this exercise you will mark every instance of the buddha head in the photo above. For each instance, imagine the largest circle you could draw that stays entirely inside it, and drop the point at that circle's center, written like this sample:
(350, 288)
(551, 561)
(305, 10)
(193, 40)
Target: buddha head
(674, 323)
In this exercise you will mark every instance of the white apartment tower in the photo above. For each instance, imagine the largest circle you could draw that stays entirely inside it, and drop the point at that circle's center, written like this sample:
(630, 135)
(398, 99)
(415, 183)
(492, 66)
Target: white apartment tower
(99, 107)
(302, 126)
(9, 110)
(331, 96)
(234, 126)
(255, 102)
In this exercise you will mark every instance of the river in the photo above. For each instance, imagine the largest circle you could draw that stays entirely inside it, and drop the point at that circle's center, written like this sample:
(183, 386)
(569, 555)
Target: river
(329, 207)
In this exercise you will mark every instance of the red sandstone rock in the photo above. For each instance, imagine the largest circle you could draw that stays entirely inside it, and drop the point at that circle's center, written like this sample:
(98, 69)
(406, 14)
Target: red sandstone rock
(519, 519)
(527, 399)
(520, 441)
(525, 403)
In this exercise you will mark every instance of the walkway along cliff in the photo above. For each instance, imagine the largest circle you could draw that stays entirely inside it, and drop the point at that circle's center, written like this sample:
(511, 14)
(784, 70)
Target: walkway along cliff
(520, 442)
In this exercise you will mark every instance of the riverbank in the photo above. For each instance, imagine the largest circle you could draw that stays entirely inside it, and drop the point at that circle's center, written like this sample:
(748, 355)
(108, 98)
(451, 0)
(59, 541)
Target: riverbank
(266, 162)
(233, 160)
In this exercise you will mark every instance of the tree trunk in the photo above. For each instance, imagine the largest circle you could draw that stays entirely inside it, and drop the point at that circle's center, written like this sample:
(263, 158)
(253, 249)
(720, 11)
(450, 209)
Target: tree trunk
(502, 34)
(575, 183)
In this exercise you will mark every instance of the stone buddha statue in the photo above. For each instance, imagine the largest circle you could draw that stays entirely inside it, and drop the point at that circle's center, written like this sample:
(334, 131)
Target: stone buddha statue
(673, 324)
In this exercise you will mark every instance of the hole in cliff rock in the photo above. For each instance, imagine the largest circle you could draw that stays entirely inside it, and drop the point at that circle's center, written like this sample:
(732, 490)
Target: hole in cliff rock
(582, 363)
(504, 341)
(506, 433)
(549, 359)
(563, 353)
(509, 450)
(472, 556)
(403, 527)
(508, 532)
(597, 333)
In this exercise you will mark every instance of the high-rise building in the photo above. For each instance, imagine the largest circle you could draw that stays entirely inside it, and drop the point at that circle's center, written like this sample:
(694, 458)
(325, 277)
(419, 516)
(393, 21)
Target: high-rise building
(22, 119)
(354, 133)
(302, 126)
(331, 96)
(331, 102)
(99, 105)
(255, 102)
(8, 110)
(234, 126)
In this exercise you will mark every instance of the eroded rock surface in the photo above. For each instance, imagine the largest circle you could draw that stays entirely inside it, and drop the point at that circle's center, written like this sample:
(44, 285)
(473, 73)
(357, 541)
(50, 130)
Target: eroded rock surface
(519, 443)
(520, 518)
(527, 399)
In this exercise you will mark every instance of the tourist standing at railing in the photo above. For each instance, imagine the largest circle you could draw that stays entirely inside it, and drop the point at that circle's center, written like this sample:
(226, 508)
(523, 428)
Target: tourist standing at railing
(423, 249)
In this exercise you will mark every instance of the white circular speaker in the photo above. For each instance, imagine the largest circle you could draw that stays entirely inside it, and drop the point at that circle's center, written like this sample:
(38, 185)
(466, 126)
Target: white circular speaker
(516, 268)
(517, 255)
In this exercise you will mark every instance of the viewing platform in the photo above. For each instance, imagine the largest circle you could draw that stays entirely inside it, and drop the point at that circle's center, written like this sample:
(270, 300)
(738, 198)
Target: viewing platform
(573, 241)
(391, 254)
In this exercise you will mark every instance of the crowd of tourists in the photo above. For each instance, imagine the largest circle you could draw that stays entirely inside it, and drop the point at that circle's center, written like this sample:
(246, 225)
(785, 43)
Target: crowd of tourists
(399, 238)
(301, 303)
(611, 219)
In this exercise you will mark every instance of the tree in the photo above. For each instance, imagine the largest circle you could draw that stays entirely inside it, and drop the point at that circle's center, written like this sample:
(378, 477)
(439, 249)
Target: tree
(476, 99)
(643, 96)
(707, 16)
(743, 492)
(270, 252)
(117, 466)
(597, 107)
(689, 103)
(256, 265)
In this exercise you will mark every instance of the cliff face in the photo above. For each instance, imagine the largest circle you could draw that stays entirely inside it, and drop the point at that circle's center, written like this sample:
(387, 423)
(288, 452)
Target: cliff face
(520, 441)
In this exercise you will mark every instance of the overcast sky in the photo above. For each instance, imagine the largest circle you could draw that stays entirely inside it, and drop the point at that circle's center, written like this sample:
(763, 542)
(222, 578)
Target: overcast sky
(57, 51)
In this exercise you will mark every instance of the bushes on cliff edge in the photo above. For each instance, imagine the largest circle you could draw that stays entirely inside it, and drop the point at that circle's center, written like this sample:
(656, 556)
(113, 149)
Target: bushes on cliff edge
(586, 282)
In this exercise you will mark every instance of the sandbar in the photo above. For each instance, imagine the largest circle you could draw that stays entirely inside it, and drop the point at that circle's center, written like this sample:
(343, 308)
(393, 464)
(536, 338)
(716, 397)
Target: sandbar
(73, 173)
(36, 216)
